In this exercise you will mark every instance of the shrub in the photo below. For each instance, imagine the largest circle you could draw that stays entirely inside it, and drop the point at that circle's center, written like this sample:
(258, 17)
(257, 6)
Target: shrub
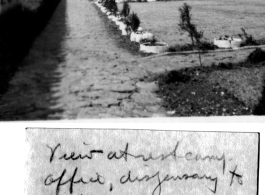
(111, 5)
(186, 25)
(204, 45)
(258, 55)
(260, 41)
(135, 22)
(125, 9)
(249, 40)
(175, 76)
(180, 48)
(105, 3)
(225, 65)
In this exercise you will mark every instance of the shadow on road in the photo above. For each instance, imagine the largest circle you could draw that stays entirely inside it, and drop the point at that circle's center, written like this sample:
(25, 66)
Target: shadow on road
(30, 94)
(18, 31)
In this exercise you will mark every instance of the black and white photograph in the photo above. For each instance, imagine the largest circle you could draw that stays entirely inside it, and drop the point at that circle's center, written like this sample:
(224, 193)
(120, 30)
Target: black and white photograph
(115, 59)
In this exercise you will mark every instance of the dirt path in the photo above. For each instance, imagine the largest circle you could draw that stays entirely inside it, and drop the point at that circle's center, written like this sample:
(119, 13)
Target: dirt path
(75, 70)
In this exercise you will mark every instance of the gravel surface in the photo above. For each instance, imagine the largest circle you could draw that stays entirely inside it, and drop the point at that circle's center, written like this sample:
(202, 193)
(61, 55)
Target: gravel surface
(75, 70)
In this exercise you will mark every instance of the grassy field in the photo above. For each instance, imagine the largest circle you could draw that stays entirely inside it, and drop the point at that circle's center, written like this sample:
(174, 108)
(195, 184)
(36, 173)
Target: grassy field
(246, 84)
(235, 88)
(214, 17)
(218, 91)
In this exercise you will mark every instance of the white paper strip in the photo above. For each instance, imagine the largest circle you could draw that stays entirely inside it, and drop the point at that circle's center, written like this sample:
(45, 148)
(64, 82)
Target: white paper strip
(141, 162)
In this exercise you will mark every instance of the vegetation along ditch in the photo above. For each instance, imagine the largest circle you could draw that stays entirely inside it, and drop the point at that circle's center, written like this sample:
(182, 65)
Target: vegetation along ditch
(122, 41)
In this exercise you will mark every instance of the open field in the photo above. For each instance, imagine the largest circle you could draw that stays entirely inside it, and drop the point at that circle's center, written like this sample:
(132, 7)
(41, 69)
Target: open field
(246, 84)
(236, 91)
(214, 17)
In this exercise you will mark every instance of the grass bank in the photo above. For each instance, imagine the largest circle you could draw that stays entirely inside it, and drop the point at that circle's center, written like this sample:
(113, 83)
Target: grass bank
(223, 89)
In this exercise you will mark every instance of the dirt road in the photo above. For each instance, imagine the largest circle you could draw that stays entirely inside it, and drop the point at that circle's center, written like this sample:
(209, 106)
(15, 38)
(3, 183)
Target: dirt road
(75, 70)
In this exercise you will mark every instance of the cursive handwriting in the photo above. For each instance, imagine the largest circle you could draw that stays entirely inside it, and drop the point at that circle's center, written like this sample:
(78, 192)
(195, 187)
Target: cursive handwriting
(189, 156)
(238, 176)
(61, 181)
(69, 179)
(129, 178)
(73, 155)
